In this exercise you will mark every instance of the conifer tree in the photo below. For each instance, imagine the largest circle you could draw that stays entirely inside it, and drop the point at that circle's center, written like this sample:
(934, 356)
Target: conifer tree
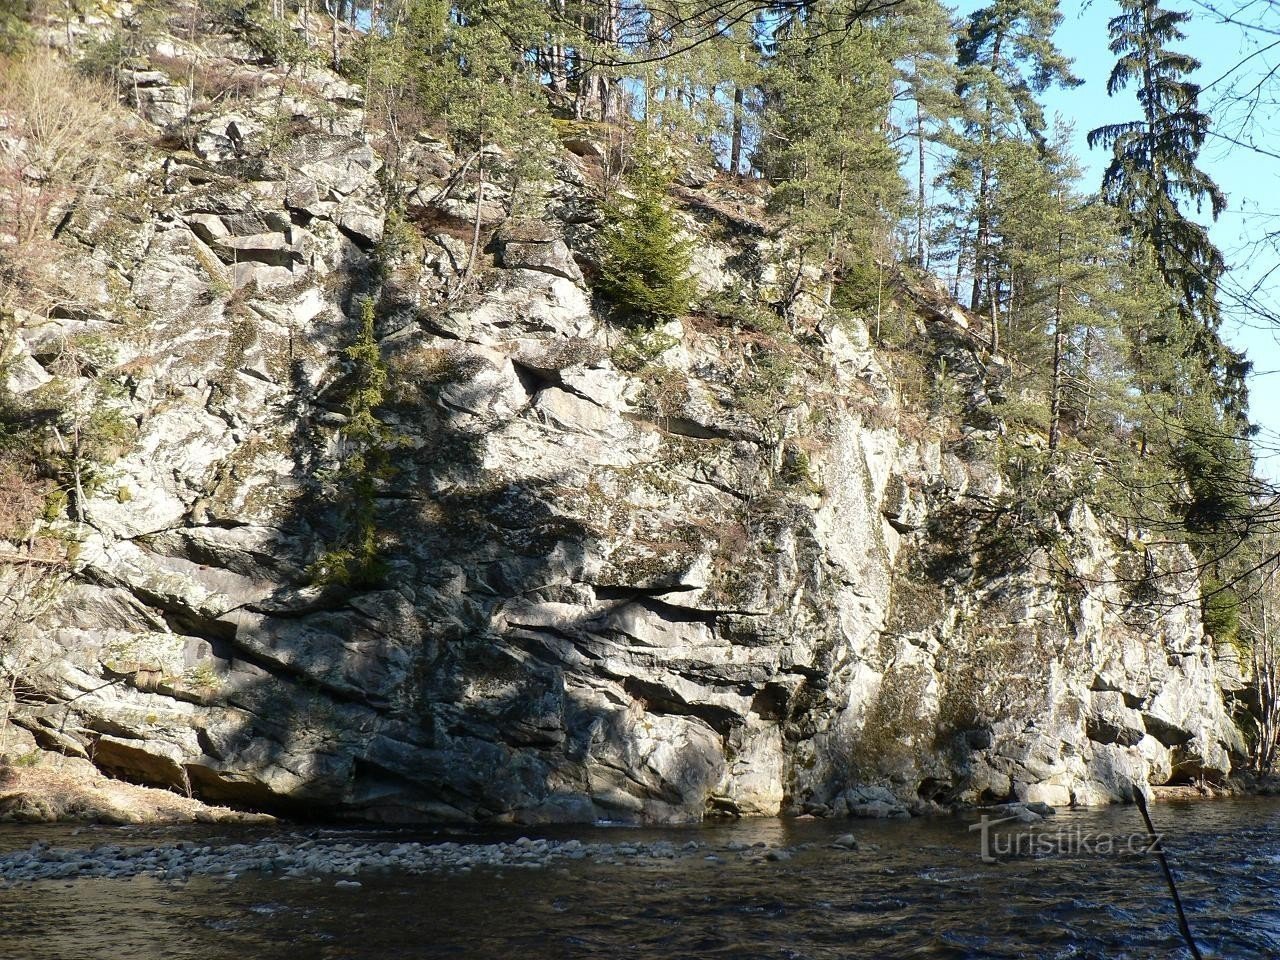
(366, 444)
(1153, 169)
(1151, 178)
(1007, 57)
(823, 146)
(644, 265)
(928, 77)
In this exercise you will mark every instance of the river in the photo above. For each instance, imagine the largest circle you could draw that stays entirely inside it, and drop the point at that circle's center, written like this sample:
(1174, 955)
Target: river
(914, 889)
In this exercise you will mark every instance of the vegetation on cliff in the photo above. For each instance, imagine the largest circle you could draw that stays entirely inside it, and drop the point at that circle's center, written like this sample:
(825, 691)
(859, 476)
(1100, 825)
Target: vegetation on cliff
(1092, 308)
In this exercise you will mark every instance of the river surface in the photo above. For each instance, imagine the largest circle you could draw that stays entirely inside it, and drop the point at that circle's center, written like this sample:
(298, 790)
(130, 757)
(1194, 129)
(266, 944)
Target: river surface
(915, 889)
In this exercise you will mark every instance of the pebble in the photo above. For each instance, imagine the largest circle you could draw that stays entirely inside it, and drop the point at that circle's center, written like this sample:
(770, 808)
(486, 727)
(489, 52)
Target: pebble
(302, 856)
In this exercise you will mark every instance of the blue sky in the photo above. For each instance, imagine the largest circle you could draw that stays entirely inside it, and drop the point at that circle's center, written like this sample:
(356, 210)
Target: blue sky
(1249, 178)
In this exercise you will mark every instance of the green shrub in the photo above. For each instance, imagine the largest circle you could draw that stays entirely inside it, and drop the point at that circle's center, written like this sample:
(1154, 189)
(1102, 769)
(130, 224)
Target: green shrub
(1220, 608)
(639, 348)
(740, 308)
(644, 265)
(356, 560)
(15, 25)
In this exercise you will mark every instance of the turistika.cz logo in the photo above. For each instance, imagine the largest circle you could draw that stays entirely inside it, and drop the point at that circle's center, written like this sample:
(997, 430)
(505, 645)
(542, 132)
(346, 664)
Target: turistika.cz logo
(1069, 842)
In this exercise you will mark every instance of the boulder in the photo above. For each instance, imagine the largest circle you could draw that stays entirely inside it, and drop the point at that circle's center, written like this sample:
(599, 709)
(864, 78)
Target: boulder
(549, 257)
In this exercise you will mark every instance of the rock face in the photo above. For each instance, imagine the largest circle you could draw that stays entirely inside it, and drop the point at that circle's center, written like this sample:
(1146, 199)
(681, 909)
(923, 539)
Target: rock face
(632, 575)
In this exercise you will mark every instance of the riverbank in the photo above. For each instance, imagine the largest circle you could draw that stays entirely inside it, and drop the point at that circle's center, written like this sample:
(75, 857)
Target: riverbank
(1238, 785)
(340, 861)
(341, 855)
(49, 788)
(70, 790)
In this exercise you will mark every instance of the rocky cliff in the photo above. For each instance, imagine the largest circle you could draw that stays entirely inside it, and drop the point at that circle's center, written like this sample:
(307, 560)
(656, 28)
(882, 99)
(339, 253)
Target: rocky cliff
(718, 567)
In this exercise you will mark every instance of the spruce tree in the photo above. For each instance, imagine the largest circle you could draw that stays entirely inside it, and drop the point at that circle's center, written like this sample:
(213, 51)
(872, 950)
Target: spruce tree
(366, 445)
(644, 265)
(928, 77)
(835, 176)
(1193, 378)
(1153, 169)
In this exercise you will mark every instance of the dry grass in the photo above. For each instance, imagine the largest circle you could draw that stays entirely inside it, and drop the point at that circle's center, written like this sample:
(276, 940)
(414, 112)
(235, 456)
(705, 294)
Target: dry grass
(22, 498)
(65, 134)
(216, 81)
(432, 220)
(59, 788)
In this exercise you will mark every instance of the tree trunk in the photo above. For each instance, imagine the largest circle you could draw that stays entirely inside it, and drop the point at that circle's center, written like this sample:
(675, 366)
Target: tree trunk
(994, 319)
(735, 144)
(335, 12)
(475, 232)
(1265, 681)
(598, 93)
(556, 65)
(982, 241)
(1055, 394)
(920, 261)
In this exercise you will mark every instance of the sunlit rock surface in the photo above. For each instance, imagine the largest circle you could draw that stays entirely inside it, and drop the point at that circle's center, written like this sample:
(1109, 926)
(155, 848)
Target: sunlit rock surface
(710, 572)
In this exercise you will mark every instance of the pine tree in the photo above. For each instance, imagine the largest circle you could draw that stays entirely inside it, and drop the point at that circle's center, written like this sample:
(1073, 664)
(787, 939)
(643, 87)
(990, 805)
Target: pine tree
(1007, 57)
(928, 77)
(823, 145)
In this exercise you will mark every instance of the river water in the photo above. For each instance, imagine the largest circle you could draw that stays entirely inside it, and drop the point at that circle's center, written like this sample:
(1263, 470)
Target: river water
(915, 889)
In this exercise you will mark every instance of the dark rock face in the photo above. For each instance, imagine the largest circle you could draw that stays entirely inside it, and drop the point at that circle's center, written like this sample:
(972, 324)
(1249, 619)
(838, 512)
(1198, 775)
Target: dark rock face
(616, 588)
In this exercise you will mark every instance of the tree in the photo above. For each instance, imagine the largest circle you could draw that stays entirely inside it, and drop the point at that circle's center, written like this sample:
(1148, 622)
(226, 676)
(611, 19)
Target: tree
(469, 69)
(928, 78)
(823, 145)
(1261, 646)
(1006, 57)
(1061, 253)
(644, 266)
(365, 448)
(1153, 169)
(1151, 179)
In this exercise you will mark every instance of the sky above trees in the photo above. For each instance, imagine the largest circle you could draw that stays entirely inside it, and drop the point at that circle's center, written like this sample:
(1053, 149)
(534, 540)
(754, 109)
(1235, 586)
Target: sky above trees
(1234, 60)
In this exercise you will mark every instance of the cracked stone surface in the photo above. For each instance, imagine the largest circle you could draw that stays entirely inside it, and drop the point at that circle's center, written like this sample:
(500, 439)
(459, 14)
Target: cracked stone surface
(615, 590)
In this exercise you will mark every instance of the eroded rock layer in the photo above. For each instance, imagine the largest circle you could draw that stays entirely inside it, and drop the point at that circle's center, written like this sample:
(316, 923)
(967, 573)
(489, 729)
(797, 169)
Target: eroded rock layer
(631, 576)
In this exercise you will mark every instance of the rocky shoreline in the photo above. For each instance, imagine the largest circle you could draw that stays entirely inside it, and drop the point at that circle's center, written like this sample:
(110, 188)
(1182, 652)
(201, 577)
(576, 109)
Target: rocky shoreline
(302, 857)
(317, 860)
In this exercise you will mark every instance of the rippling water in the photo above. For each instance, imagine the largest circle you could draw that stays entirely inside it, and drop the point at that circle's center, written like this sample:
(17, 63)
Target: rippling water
(923, 893)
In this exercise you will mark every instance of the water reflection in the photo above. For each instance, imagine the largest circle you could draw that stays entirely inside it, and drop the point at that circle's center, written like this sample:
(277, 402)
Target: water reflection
(915, 889)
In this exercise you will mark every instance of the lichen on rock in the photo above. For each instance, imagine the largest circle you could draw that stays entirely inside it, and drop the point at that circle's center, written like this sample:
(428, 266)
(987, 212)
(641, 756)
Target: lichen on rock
(719, 567)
